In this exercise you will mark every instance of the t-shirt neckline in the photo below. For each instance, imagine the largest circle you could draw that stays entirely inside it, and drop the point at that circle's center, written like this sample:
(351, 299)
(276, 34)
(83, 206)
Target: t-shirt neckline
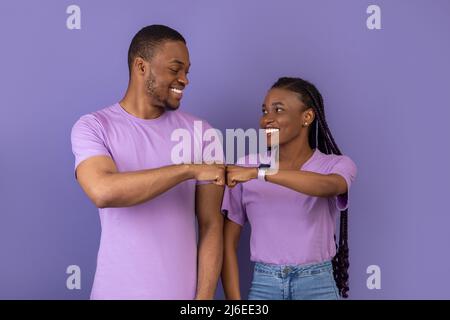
(316, 151)
(136, 119)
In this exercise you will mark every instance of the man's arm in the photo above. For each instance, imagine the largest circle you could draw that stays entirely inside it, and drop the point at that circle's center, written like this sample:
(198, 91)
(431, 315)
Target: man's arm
(210, 246)
(106, 187)
(230, 269)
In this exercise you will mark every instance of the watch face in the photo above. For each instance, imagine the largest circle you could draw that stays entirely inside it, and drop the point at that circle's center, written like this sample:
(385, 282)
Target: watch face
(262, 173)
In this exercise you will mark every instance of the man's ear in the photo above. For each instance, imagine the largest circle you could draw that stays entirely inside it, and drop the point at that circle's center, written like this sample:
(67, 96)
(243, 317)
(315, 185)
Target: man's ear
(140, 66)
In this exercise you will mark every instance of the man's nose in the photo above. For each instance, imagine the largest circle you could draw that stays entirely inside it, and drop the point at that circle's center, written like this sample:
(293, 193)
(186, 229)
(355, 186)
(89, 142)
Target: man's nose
(184, 80)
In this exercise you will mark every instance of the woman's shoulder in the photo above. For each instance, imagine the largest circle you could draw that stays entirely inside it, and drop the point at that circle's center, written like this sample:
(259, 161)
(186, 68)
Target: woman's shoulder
(328, 161)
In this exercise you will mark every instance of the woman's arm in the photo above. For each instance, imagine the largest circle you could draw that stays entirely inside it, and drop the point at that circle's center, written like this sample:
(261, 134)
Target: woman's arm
(310, 183)
(230, 268)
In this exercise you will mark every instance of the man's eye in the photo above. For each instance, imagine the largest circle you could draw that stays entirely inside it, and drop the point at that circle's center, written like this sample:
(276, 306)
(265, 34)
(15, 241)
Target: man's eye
(279, 109)
(264, 111)
(173, 70)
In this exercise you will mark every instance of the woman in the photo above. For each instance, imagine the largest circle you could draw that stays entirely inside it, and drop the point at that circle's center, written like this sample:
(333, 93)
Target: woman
(293, 212)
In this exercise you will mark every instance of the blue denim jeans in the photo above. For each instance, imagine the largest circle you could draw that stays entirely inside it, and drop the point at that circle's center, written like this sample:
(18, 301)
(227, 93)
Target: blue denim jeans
(293, 282)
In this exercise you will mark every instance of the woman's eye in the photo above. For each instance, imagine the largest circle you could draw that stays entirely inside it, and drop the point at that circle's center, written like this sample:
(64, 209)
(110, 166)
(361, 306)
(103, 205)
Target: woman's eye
(279, 109)
(173, 70)
(264, 111)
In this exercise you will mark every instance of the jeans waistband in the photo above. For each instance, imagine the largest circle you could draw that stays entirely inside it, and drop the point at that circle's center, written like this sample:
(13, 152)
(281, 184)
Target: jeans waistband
(287, 269)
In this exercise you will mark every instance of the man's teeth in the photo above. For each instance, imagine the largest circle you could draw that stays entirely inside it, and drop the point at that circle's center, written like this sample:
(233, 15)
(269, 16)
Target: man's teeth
(272, 130)
(179, 91)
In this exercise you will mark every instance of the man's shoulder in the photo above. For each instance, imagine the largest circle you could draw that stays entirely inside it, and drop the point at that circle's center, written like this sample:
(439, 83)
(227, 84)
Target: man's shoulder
(105, 113)
(98, 117)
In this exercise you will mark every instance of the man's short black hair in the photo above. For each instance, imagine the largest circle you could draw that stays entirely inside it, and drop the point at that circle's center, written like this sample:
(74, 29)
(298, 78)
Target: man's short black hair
(146, 41)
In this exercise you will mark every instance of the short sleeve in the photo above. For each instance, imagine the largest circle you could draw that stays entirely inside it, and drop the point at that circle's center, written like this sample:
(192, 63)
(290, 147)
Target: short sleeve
(87, 139)
(232, 206)
(346, 168)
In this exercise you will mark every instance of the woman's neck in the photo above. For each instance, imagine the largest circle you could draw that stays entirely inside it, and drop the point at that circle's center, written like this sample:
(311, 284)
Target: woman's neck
(295, 153)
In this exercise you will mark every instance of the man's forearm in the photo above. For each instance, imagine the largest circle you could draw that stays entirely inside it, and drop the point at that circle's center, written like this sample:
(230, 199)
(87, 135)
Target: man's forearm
(210, 255)
(132, 188)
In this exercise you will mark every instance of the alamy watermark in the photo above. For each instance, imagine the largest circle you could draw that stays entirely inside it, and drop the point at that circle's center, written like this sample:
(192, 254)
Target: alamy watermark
(73, 21)
(208, 146)
(373, 21)
(74, 279)
(374, 280)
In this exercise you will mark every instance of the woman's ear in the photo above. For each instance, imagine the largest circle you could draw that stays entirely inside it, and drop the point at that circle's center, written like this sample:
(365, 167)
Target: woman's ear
(308, 117)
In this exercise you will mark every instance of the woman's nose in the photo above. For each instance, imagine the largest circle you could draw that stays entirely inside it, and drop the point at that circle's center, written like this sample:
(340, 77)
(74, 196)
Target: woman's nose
(268, 120)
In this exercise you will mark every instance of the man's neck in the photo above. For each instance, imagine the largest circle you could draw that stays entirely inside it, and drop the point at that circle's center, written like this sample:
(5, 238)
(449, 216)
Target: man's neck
(138, 104)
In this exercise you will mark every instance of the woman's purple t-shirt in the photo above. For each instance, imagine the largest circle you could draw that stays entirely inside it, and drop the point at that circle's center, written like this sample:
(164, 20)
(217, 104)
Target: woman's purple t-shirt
(289, 227)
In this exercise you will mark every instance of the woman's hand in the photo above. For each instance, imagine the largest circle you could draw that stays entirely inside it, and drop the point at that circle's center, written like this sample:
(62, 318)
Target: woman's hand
(237, 174)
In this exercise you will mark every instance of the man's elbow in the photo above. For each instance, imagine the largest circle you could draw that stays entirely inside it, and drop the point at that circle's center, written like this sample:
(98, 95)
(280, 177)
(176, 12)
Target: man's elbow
(100, 197)
(214, 222)
(101, 204)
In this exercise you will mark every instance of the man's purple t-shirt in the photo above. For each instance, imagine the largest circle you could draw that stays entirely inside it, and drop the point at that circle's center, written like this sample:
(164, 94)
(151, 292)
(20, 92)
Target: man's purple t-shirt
(147, 251)
(288, 227)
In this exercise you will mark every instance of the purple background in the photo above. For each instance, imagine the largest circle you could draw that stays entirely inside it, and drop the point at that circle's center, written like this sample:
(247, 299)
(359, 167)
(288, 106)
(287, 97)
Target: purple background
(386, 92)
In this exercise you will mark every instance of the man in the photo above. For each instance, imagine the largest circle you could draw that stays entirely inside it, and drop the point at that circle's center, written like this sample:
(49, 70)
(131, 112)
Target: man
(147, 205)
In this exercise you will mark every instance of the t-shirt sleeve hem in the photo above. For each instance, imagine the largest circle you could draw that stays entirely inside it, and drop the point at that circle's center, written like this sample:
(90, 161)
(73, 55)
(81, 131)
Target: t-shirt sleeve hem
(227, 215)
(86, 157)
(342, 199)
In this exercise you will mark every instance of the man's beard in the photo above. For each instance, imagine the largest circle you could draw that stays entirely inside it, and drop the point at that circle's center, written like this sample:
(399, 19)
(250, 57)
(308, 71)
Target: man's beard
(151, 89)
(150, 86)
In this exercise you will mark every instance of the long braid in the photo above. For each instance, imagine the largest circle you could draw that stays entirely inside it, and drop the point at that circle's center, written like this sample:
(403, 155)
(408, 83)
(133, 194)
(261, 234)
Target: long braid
(324, 140)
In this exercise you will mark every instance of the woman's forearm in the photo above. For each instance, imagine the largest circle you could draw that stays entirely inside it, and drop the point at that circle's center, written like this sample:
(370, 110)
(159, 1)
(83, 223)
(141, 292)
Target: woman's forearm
(310, 183)
(230, 275)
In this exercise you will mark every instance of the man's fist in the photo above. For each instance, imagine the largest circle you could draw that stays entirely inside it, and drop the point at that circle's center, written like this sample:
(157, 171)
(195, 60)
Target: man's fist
(210, 172)
(237, 174)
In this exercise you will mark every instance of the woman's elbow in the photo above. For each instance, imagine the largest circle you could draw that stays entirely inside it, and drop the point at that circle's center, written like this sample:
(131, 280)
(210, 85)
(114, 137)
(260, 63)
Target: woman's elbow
(337, 187)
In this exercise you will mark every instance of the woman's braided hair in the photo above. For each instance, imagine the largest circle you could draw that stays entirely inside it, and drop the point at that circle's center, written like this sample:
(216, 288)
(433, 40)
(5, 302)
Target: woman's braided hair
(320, 137)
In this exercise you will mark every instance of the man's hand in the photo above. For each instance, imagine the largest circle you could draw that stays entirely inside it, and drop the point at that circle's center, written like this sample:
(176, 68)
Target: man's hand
(237, 174)
(209, 172)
